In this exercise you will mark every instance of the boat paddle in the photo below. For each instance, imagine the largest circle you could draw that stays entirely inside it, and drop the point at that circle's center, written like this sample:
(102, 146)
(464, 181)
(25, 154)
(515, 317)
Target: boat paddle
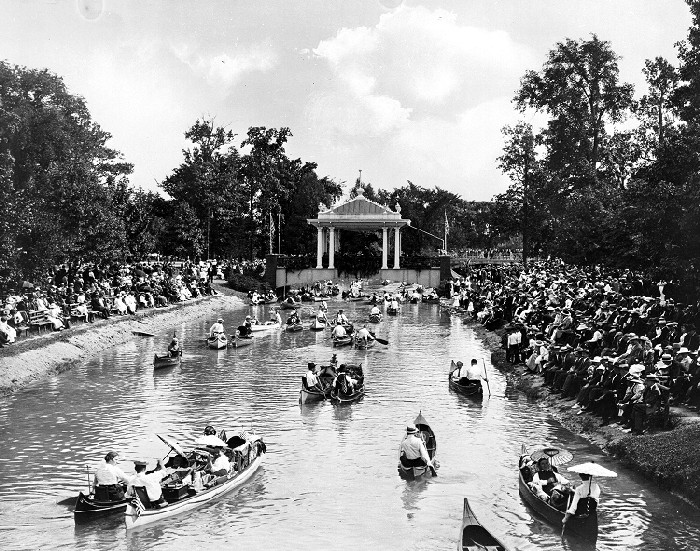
(486, 377)
(143, 334)
(381, 341)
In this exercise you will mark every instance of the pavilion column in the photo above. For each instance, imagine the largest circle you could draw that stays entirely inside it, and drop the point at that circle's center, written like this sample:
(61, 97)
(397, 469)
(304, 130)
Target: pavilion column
(319, 249)
(397, 248)
(385, 248)
(331, 248)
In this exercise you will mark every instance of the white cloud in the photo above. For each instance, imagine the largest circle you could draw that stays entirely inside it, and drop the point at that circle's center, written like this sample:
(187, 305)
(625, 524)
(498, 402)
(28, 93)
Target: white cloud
(224, 70)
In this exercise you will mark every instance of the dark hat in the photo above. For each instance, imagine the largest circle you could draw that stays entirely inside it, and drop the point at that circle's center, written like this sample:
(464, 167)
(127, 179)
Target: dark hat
(139, 463)
(312, 365)
(411, 429)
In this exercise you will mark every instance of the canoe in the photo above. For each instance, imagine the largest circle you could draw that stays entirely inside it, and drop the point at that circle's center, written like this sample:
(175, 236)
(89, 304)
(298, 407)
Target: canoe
(239, 342)
(320, 299)
(268, 326)
(473, 536)
(375, 318)
(289, 306)
(474, 390)
(310, 395)
(161, 362)
(294, 327)
(428, 436)
(248, 456)
(362, 345)
(582, 526)
(87, 507)
(430, 300)
(392, 311)
(218, 342)
(342, 341)
(318, 325)
(338, 397)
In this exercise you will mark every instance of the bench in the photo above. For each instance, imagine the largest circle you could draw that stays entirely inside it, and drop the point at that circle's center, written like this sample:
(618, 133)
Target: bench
(23, 326)
(39, 319)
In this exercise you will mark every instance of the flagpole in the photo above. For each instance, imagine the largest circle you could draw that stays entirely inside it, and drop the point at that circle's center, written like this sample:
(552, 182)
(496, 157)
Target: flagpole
(445, 241)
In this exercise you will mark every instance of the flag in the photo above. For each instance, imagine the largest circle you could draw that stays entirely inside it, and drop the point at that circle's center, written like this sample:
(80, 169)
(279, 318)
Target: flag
(136, 504)
(447, 224)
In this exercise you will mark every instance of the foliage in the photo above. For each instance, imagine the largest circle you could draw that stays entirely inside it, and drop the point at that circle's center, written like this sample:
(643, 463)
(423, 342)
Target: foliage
(245, 283)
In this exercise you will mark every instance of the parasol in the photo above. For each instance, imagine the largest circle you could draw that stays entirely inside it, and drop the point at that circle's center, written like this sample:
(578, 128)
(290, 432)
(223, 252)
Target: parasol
(173, 445)
(555, 456)
(211, 441)
(593, 469)
(138, 272)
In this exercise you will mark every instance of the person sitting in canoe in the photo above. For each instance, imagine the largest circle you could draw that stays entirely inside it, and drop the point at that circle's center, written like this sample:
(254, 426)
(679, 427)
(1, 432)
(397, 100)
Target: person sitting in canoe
(413, 452)
(394, 303)
(341, 319)
(546, 477)
(343, 382)
(364, 336)
(465, 376)
(321, 315)
(312, 380)
(150, 481)
(246, 330)
(375, 311)
(220, 466)
(338, 332)
(217, 328)
(174, 349)
(293, 319)
(109, 476)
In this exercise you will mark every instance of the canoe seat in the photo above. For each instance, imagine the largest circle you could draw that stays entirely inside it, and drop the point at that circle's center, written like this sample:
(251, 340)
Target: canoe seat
(303, 383)
(143, 496)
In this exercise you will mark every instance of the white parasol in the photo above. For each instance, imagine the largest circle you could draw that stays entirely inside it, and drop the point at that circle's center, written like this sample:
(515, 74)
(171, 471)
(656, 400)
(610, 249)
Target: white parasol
(593, 469)
(555, 456)
(173, 444)
(211, 441)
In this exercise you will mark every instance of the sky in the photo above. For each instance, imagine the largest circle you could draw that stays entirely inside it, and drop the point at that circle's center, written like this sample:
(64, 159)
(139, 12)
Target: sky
(401, 90)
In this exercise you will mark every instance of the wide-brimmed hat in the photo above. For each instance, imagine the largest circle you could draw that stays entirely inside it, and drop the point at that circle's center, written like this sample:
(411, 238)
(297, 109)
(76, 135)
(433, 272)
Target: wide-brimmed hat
(636, 369)
(666, 358)
(411, 429)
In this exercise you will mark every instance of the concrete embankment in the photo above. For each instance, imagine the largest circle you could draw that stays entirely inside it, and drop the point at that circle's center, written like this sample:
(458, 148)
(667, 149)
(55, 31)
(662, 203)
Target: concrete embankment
(668, 458)
(36, 357)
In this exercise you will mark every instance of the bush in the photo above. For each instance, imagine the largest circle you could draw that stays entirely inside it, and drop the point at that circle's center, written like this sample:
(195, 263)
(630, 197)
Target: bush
(245, 283)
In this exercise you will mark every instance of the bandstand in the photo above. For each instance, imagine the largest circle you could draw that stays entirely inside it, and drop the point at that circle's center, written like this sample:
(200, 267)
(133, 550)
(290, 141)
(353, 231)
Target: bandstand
(358, 214)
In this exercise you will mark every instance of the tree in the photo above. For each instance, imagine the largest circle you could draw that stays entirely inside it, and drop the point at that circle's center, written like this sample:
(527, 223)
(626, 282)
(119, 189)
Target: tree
(579, 88)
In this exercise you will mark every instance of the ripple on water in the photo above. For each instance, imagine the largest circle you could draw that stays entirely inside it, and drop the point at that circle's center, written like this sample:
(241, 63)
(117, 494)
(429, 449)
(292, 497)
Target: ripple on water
(329, 480)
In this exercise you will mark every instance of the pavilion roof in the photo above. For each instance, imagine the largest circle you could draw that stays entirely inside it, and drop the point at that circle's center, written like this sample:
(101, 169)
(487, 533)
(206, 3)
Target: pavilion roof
(359, 213)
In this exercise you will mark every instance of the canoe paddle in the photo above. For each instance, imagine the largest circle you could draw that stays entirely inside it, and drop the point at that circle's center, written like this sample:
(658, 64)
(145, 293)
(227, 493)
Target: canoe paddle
(486, 376)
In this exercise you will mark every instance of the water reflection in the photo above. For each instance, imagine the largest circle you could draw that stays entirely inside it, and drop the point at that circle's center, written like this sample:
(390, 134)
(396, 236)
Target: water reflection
(327, 465)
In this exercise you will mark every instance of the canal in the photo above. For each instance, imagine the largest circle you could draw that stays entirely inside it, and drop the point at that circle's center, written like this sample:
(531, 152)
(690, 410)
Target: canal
(329, 480)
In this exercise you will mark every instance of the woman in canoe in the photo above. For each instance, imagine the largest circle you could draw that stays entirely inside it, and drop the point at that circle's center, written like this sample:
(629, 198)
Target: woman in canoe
(174, 349)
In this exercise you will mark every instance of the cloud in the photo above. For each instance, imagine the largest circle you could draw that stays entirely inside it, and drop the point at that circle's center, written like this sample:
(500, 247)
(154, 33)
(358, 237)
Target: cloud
(224, 70)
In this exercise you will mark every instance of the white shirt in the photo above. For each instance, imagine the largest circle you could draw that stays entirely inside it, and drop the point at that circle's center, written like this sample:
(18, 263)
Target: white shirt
(583, 491)
(514, 338)
(474, 372)
(221, 463)
(107, 474)
(363, 333)
(414, 448)
(311, 379)
(375, 310)
(151, 482)
(339, 331)
(342, 318)
(216, 328)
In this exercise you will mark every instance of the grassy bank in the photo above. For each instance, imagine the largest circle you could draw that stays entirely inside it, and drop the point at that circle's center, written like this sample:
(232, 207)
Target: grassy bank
(667, 458)
(40, 356)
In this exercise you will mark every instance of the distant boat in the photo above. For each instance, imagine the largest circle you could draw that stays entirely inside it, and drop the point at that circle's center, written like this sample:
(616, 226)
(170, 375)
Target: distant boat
(217, 342)
(161, 362)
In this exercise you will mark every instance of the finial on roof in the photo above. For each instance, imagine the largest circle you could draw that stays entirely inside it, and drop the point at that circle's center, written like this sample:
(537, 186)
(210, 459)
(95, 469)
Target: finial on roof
(397, 208)
(360, 192)
(322, 206)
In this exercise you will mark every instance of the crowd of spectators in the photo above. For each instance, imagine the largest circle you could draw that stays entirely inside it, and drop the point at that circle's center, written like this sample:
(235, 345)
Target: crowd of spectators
(87, 292)
(616, 342)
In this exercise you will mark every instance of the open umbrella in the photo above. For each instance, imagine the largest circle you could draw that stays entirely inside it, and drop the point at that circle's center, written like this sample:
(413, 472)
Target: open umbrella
(210, 440)
(173, 445)
(555, 456)
(593, 469)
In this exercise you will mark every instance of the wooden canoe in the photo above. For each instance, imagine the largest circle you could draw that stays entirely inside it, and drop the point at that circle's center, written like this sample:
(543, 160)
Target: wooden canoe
(307, 394)
(473, 390)
(426, 434)
(582, 526)
(364, 345)
(161, 362)
(217, 342)
(375, 318)
(88, 508)
(249, 461)
(269, 326)
(318, 325)
(294, 327)
(239, 342)
(342, 341)
(473, 536)
(338, 397)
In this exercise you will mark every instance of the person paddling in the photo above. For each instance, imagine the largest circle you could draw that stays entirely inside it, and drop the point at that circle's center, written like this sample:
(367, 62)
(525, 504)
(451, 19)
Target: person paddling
(413, 452)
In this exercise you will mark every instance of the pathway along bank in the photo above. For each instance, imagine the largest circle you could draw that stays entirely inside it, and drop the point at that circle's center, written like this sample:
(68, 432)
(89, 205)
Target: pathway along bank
(667, 458)
(35, 358)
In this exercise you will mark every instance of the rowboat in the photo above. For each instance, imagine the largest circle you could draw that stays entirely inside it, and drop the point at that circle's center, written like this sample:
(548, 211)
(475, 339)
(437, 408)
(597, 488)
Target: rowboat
(246, 459)
(88, 507)
(337, 396)
(426, 434)
(294, 327)
(473, 389)
(392, 311)
(375, 318)
(342, 341)
(161, 362)
(318, 325)
(363, 345)
(307, 394)
(580, 525)
(289, 305)
(267, 326)
(239, 342)
(217, 342)
(320, 298)
(473, 536)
